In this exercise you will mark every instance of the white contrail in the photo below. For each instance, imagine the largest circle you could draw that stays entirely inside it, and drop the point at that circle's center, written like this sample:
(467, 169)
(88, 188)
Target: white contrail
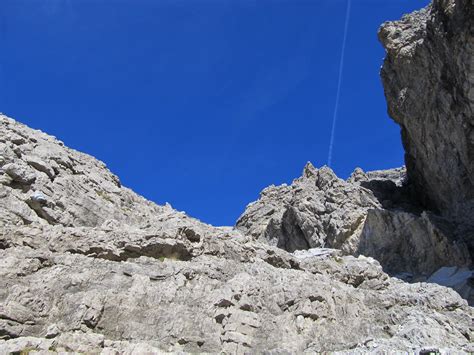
(339, 83)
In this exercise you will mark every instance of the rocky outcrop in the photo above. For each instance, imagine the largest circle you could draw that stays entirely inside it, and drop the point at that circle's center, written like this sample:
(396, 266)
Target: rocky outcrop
(428, 77)
(41, 181)
(370, 214)
(417, 224)
(317, 210)
(88, 266)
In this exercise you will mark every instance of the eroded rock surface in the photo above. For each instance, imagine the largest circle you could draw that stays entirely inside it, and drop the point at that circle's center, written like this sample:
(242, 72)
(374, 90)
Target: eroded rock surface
(43, 182)
(428, 77)
(87, 266)
(223, 293)
(317, 210)
(370, 214)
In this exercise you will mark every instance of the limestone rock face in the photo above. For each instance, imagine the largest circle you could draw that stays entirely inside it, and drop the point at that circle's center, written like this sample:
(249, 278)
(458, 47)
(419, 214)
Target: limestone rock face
(317, 210)
(88, 266)
(87, 290)
(428, 77)
(372, 214)
(41, 181)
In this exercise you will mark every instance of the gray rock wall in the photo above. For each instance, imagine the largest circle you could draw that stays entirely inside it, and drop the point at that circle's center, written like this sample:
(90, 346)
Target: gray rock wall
(428, 76)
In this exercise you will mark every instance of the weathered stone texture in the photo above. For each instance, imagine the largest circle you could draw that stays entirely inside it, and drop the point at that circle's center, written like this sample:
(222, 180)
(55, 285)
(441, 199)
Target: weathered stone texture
(428, 77)
(88, 266)
(370, 214)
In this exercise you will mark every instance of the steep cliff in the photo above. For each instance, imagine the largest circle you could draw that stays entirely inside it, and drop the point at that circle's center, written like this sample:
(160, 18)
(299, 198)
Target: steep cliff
(428, 77)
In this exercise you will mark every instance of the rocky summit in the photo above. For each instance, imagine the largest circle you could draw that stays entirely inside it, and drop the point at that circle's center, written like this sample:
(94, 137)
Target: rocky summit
(378, 263)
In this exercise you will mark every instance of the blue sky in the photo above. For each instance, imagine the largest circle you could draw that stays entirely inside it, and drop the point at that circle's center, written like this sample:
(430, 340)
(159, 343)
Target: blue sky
(202, 103)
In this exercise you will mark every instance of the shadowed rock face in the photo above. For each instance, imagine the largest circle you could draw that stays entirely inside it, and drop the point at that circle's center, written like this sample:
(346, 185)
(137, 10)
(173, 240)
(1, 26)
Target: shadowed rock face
(428, 76)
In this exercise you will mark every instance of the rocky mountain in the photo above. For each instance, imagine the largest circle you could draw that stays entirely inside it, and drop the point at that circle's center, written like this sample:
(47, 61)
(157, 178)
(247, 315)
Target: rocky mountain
(321, 265)
(89, 266)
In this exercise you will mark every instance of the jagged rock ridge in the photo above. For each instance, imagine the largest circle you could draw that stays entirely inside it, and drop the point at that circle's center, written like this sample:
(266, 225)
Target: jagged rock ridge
(370, 214)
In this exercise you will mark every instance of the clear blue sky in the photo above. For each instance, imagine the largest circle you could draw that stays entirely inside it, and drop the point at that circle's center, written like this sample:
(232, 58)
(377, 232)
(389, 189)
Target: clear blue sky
(202, 103)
